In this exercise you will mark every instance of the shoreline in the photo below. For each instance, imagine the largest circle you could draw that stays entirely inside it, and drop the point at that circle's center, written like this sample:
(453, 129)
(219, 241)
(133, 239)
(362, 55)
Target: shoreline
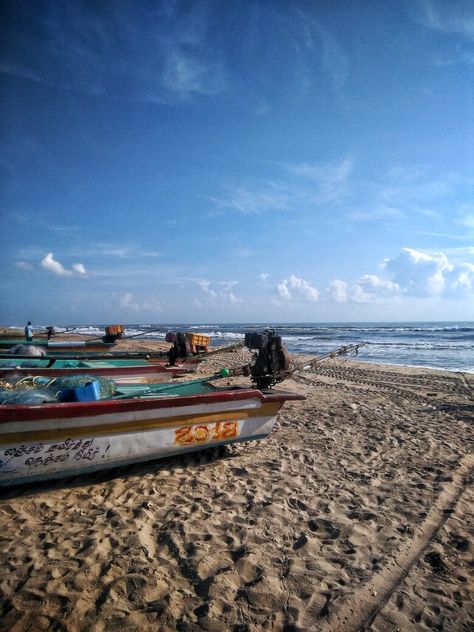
(357, 511)
(144, 344)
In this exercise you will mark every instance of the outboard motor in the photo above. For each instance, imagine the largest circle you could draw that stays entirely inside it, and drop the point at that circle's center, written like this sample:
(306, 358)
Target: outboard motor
(271, 359)
(113, 333)
(181, 348)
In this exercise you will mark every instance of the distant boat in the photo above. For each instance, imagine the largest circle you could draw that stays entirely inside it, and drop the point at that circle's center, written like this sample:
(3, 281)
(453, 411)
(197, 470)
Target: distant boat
(9, 339)
(55, 440)
(59, 345)
(17, 333)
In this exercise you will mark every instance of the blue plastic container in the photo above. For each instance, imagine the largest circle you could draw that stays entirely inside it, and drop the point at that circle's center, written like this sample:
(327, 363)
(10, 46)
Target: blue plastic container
(90, 392)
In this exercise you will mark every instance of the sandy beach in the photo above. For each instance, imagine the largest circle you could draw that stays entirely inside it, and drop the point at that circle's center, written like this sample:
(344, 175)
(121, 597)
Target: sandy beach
(356, 513)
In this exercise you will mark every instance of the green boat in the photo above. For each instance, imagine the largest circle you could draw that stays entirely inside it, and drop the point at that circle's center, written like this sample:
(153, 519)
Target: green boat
(131, 371)
(56, 345)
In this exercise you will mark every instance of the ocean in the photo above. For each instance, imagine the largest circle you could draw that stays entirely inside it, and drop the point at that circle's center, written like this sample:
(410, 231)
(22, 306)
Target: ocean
(437, 345)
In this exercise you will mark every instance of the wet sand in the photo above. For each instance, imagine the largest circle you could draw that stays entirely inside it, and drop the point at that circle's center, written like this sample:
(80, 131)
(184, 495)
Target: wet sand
(356, 513)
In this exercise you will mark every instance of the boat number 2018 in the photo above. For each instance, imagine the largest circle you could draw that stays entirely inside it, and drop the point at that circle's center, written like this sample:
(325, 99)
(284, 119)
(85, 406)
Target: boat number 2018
(218, 431)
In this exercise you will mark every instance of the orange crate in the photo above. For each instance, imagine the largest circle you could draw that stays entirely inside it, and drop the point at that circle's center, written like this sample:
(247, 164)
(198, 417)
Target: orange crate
(114, 329)
(198, 340)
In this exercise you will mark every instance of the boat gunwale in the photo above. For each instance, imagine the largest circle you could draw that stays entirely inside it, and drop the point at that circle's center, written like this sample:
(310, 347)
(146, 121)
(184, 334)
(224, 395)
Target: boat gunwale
(56, 344)
(110, 370)
(150, 358)
(44, 412)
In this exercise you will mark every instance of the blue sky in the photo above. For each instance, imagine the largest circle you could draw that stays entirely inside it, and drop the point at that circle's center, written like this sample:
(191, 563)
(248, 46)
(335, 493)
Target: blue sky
(236, 161)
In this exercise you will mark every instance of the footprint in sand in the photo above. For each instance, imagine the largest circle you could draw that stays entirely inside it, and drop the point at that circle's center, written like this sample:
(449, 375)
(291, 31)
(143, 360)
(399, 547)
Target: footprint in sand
(459, 543)
(294, 503)
(361, 515)
(300, 542)
(326, 527)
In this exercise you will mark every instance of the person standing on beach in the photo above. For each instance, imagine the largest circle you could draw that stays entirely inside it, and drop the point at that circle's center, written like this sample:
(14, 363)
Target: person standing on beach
(29, 332)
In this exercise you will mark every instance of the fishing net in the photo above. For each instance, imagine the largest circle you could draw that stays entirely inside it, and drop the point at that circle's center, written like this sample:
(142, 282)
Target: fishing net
(106, 385)
(27, 396)
(14, 381)
(37, 390)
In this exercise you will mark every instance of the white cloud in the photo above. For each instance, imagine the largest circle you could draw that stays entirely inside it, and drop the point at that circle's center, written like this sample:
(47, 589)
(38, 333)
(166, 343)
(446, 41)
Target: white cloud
(79, 268)
(265, 196)
(413, 191)
(283, 291)
(413, 188)
(223, 291)
(128, 302)
(329, 178)
(412, 273)
(157, 55)
(460, 251)
(455, 16)
(206, 287)
(182, 73)
(405, 191)
(401, 193)
(419, 273)
(468, 220)
(228, 285)
(24, 265)
(430, 274)
(300, 185)
(294, 285)
(371, 288)
(185, 74)
(462, 282)
(368, 289)
(379, 212)
(373, 282)
(53, 266)
(334, 59)
(263, 276)
(338, 291)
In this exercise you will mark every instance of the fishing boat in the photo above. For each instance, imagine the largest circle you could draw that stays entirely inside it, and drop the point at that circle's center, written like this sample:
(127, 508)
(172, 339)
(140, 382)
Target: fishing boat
(69, 346)
(55, 440)
(125, 371)
(103, 344)
(6, 333)
(58, 439)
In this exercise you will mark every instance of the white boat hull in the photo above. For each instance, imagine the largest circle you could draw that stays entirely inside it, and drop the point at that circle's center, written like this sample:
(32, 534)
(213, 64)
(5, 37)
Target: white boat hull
(44, 448)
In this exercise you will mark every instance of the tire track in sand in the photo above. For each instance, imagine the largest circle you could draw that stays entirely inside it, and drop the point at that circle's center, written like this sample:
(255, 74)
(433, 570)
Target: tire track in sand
(359, 610)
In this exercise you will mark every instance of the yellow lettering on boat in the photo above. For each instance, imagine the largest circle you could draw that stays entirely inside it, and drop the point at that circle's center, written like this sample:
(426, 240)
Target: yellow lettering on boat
(202, 433)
